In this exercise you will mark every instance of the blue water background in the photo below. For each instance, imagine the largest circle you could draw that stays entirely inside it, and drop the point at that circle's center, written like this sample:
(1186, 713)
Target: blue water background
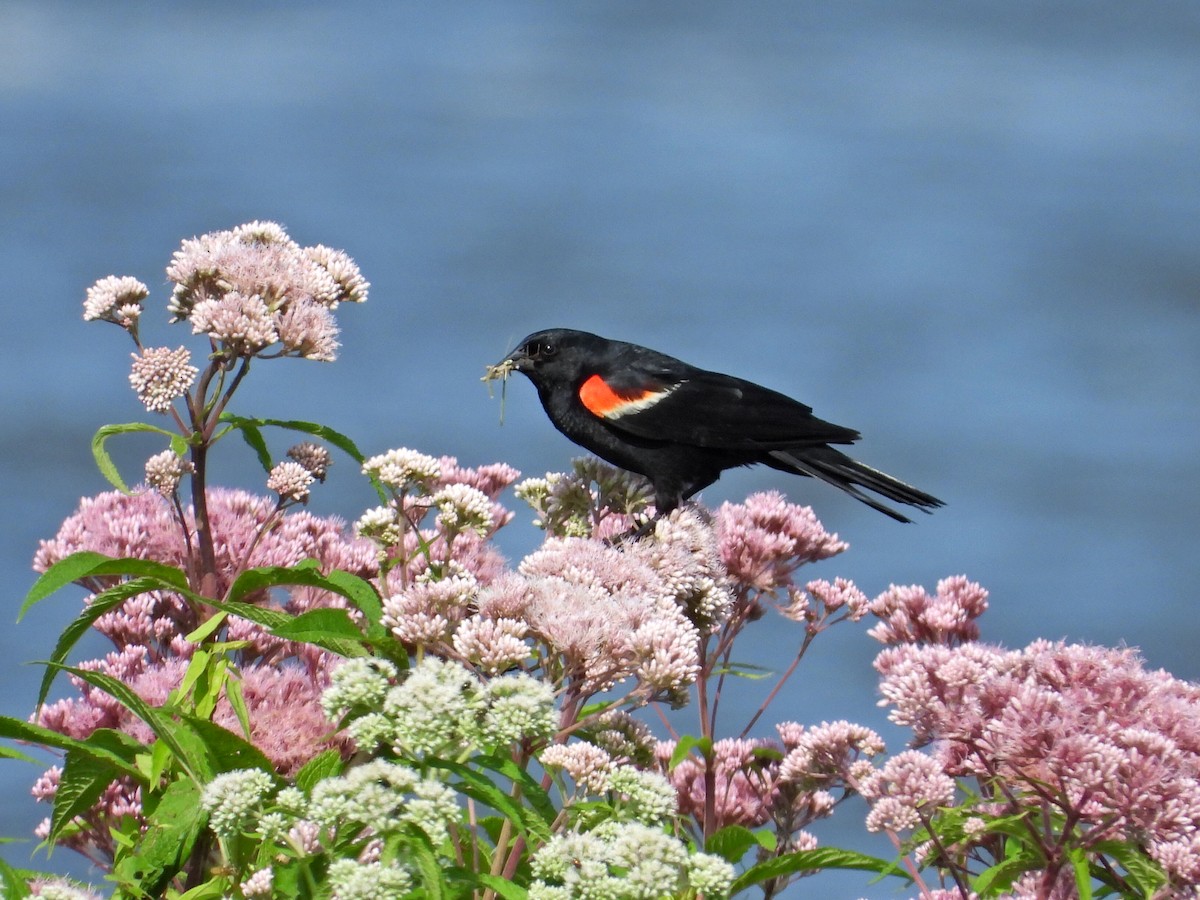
(971, 231)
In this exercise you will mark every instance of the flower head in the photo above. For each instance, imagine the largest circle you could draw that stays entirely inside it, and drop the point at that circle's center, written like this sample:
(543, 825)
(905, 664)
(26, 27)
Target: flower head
(315, 458)
(230, 799)
(252, 286)
(290, 481)
(165, 470)
(403, 469)
(909, 784)
(764, 540)
(115, 299)
(161, 376)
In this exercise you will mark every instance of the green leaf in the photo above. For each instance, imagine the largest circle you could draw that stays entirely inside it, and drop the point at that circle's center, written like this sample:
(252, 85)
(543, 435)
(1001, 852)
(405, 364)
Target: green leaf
(502, 886)
(165, 728)
(433, 876)
(358, 591)
(684, 747)
(322, 432)
(86, 564)
(237, 701)
(1003, 874)
(1083, 875)
(744, 670)
(15, 882)
(808, 860)
(325, 764)
(731, 843)
(212, 889)
(102, 603)
(84, 778)
(320, 624)
(173, 825)
(531, 790)
(225, 750)
(104, 462)
(252, 435)
(307, 574)
(110, 746)
(1141, 871)
(480, 787)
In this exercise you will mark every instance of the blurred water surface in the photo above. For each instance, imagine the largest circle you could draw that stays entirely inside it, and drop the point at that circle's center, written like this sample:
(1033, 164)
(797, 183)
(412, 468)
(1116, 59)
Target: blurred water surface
(968, 230)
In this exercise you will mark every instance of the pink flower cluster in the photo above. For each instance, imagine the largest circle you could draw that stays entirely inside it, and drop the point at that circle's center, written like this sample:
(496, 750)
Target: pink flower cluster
(764, 540)
(1085, 734)
(909, 615)
(281, 680)
(142, 526)
(251, 287)
(791, 782)
(602, 615)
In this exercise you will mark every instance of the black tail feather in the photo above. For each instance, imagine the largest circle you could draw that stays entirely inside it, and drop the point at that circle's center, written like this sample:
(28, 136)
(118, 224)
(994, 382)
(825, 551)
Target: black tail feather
(844, 473)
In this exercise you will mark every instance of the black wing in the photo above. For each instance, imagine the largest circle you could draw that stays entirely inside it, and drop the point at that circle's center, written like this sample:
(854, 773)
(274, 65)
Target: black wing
(660, 398)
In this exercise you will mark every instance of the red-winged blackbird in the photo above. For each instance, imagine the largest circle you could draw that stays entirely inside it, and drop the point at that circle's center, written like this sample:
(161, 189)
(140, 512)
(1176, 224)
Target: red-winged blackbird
(681, 426)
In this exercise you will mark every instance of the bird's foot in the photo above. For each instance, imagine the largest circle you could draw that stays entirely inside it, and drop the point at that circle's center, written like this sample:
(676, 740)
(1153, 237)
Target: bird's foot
(634, 534)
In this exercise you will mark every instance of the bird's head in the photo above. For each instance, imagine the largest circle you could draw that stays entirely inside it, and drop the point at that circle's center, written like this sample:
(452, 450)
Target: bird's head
(559, 354)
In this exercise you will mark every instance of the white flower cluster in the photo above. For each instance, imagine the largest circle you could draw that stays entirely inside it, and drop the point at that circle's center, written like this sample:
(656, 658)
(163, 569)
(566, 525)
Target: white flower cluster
(357, 683)
(462, 507)
(402, 469)
(352, 880)
(382, 525)
(115, 299)
(383, 796)
(440, 707)
(624, 861)
(231, 799)
(290, 480)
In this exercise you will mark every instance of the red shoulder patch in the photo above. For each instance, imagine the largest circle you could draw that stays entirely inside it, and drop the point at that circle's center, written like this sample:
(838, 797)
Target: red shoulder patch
(602, 399)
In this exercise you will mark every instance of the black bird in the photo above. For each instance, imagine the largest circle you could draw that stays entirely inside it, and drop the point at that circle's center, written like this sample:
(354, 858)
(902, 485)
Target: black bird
(681, 426)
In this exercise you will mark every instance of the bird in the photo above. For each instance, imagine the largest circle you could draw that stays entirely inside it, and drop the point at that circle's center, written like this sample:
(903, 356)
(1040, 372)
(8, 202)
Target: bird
(681, 426)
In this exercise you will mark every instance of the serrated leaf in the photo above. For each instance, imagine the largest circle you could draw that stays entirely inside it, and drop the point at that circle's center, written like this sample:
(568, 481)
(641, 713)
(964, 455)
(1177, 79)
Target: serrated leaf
(1002, 875)
(83, 780)
(433, 877)
(325, 764)
(531, 790)
(15, 882)
(358, 591)
(172, 827)
(502, 886)
(808, 860)
(480, 787)
(252, 435)
(320, 623)
(159, 722)
(744, 670)
(1142, 871)
(225, 750)
(105, 463)
(1083, 875)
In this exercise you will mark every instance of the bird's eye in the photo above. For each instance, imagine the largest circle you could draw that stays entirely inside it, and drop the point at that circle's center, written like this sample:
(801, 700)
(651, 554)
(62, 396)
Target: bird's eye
(544, 349)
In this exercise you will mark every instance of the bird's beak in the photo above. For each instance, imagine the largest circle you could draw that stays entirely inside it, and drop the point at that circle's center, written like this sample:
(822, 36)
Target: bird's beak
(518, 360)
